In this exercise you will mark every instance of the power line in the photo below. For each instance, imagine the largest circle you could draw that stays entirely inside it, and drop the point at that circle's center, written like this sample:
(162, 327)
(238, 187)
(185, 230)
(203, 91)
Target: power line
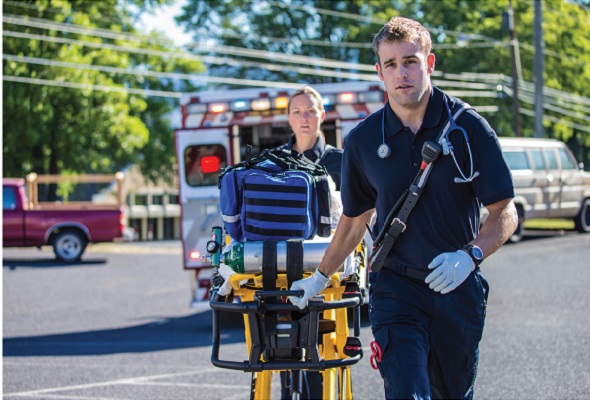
(140, 72)
(109, 34)
(310, 71)
(324, 43)
(291, 58)
(483, 87)
(209, 59)
(82, 30)
(159, 93)
(226, 49)
(483, 90)
(557, 121)
(206, 59)
(133, 37)
(86, 86)
(227, 61)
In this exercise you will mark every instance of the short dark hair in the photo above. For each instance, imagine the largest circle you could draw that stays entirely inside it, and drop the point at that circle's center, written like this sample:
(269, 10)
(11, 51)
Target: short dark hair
(406, 30)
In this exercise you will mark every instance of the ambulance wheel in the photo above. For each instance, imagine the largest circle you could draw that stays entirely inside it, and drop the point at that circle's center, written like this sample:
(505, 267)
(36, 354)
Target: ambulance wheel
(519, 232)
(582, 220)
(69, 245)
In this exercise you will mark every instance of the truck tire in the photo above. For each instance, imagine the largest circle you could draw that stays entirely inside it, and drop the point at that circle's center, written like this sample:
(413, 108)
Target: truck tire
(582, 220)
(69, 245)
(518, 233)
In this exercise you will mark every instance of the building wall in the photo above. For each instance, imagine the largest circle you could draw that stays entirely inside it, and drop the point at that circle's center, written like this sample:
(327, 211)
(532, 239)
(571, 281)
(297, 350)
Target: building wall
(151, 209)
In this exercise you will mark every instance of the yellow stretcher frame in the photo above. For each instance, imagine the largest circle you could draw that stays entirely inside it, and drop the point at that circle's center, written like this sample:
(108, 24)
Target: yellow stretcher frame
(337, 381)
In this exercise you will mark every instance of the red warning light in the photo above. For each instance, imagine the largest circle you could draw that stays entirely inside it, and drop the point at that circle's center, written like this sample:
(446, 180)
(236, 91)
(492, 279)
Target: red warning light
(209, 164)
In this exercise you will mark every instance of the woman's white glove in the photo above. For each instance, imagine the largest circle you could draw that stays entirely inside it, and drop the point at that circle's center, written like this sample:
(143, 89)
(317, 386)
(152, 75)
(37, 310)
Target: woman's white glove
(311, 286)
(450, 270)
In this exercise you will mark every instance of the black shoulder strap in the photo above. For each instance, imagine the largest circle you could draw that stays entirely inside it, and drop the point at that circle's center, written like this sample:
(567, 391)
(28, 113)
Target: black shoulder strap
(392, 229)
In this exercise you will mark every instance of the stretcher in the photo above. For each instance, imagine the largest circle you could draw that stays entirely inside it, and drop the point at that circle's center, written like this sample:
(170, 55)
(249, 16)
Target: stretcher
(279, 336)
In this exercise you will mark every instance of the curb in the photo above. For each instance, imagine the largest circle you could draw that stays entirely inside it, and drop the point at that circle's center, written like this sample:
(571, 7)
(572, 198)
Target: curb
(135, 248)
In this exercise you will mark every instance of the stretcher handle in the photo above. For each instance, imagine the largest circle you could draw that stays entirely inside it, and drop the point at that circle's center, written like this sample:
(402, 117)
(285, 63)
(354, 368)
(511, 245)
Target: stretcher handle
(285, 365)
(255, 306)
(279, 293)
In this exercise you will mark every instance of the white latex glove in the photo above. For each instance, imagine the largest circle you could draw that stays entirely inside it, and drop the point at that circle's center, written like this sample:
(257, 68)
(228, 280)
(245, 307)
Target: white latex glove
(225, 272)
(450, 270)
(311, 286)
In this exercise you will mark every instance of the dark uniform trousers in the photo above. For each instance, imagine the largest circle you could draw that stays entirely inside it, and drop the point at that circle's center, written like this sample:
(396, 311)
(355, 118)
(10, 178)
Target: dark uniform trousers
(429, 340)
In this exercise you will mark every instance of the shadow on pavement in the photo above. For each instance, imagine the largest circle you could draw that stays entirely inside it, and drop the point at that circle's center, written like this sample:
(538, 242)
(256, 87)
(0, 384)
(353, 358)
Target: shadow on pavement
(163, 334)
(14, 263)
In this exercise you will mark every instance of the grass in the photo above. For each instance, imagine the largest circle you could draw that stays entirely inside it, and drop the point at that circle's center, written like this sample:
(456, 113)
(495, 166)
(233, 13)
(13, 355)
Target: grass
(565, 224)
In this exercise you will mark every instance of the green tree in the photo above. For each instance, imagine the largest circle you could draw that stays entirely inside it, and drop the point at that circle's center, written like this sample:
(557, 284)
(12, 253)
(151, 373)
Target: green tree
(51, 127)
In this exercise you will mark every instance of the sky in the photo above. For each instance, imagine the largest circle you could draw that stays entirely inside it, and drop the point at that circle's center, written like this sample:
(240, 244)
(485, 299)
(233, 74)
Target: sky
(164, 21)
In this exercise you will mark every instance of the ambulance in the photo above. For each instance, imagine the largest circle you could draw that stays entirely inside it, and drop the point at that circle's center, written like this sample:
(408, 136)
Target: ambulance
(215, 130)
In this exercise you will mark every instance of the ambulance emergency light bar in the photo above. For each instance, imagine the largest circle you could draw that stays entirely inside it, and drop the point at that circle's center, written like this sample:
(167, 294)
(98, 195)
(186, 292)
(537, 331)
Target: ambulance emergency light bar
(280, 102)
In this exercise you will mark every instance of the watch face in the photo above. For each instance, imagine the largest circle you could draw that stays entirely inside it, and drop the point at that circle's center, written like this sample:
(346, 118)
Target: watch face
(477, 253)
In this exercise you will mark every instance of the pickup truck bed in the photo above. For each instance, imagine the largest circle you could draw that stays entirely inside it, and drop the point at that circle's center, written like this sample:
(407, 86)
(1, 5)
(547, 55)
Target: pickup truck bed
(68, 227)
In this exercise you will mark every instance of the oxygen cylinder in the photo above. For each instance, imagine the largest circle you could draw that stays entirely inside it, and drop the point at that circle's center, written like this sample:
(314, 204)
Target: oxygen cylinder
(246, 257)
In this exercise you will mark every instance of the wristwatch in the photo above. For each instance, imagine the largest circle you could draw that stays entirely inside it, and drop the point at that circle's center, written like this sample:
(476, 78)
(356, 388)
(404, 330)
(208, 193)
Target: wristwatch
(474, 252)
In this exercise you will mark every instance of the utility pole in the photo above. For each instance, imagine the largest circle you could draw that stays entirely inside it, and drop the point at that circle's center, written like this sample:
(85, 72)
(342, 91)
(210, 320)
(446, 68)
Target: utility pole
(538, 69)
(515, 65)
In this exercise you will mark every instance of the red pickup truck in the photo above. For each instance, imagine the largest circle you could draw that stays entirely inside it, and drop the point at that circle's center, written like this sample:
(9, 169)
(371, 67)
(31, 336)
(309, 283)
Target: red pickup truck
(68, 226)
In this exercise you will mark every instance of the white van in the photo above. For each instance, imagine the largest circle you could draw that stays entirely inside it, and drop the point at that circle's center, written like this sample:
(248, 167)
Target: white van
(548, 182)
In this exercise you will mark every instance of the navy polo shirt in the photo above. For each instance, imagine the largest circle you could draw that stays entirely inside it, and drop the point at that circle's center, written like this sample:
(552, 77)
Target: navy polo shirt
(446, 216)
(325, 155)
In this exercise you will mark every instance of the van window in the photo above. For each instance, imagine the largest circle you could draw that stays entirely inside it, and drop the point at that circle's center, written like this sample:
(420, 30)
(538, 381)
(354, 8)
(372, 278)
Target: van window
(538, 160)
(516, 160)
(551, 159)
(566, 160)
(203, 163)
(8, 200)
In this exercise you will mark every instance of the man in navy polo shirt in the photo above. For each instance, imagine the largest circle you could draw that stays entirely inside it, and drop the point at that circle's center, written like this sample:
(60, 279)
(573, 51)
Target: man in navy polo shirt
(428, 301)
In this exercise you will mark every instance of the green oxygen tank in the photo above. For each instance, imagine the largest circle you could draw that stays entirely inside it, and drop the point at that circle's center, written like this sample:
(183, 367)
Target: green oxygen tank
(234, 258)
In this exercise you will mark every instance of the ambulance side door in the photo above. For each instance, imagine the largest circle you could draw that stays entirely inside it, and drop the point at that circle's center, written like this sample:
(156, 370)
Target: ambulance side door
(201, 154)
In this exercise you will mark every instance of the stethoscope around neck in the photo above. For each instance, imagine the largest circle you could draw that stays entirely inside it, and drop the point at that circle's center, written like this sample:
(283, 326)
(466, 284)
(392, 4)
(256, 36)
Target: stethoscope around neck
(384, 151)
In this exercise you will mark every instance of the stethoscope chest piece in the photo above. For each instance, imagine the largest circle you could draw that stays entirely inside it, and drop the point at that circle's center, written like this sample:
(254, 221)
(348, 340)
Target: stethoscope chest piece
(383, 151)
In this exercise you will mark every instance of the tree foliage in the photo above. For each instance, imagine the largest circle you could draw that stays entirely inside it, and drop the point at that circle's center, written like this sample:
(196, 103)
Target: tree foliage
(52, 128)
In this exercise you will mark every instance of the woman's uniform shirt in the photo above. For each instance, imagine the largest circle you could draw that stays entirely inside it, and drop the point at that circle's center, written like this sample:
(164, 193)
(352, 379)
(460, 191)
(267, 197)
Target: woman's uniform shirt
(323, 154)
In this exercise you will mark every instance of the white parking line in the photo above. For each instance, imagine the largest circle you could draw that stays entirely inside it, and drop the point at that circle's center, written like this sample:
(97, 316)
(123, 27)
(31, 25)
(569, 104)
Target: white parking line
(124, 381)
(195, 385)
(62, 396)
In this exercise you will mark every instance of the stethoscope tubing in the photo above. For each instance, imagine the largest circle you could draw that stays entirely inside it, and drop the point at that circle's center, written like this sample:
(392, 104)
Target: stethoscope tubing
(448, 147)
(384, 151)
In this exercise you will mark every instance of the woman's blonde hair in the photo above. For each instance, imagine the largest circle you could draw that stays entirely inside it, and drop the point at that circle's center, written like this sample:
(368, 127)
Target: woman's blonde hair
(308, 90)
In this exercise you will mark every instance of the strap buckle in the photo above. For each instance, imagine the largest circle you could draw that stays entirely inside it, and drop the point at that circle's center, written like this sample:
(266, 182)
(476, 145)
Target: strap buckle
(398, 223)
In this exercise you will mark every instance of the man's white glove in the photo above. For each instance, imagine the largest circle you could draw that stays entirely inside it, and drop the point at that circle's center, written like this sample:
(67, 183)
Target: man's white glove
(450, 270)
(311, 286)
